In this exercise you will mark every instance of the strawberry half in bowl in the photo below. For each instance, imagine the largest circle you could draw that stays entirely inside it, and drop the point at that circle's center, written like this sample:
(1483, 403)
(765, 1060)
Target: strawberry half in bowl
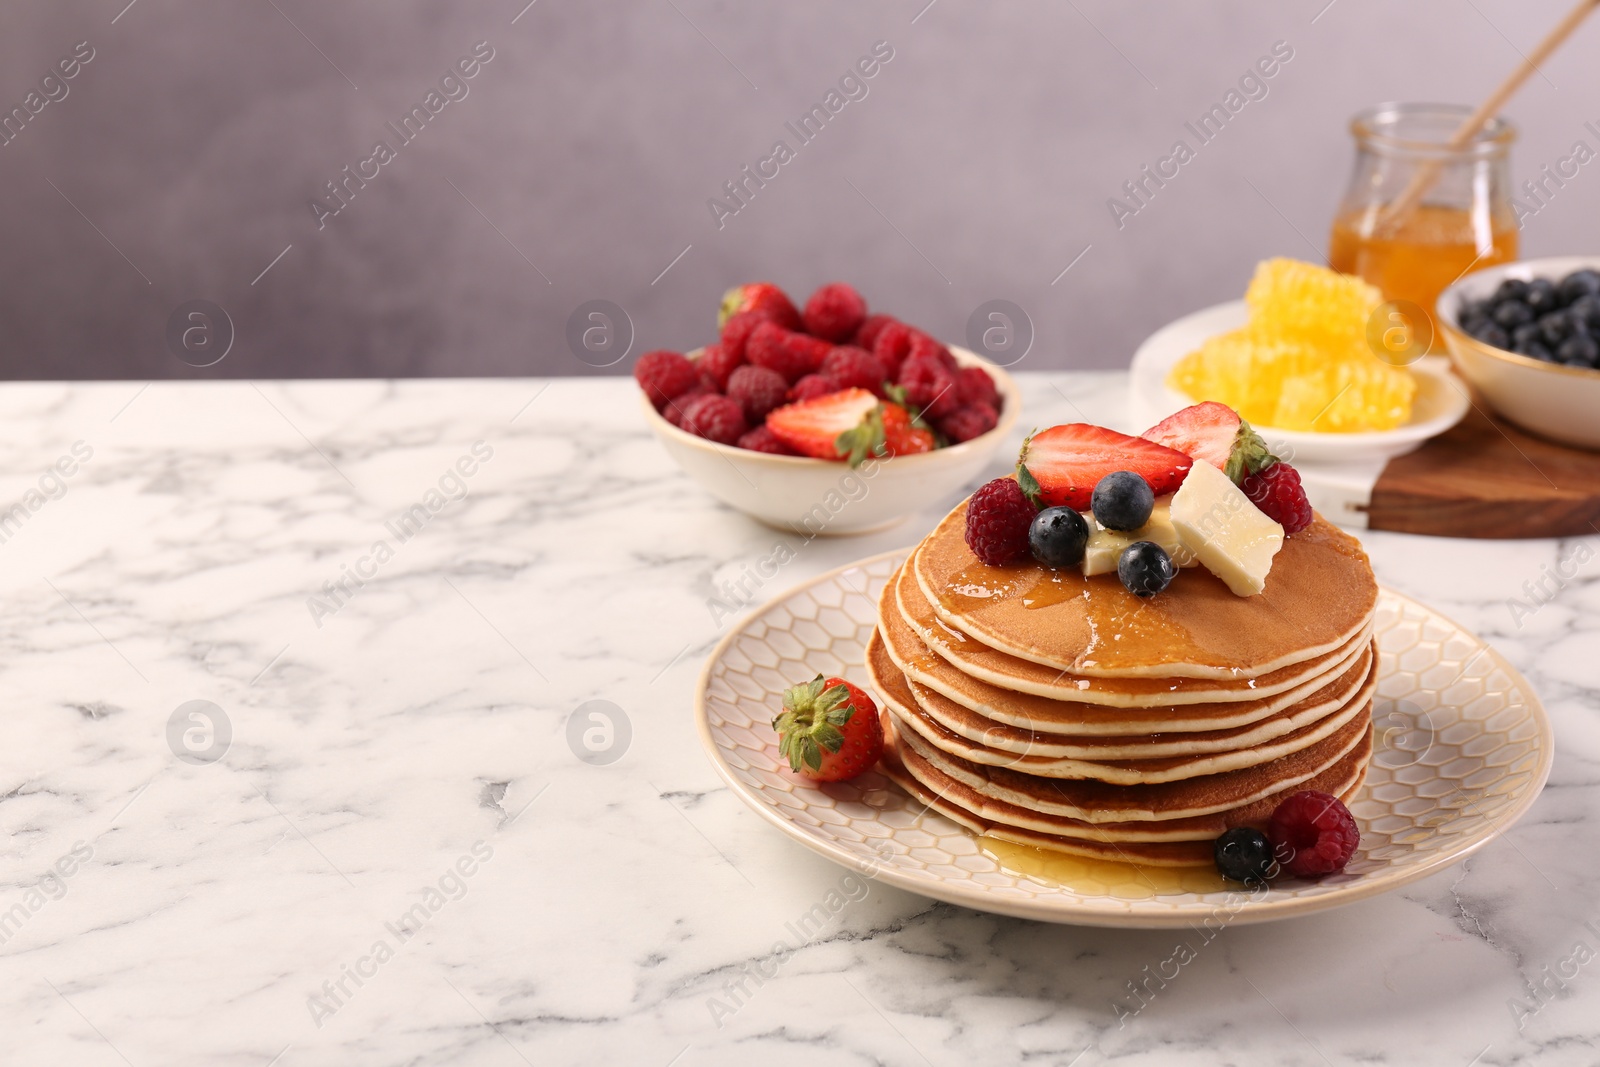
(827, 497)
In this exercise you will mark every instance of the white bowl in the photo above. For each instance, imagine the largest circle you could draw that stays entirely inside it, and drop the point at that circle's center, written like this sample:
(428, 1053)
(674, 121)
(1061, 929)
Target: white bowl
(1561, 403)
(818, 497)
(1440, 403)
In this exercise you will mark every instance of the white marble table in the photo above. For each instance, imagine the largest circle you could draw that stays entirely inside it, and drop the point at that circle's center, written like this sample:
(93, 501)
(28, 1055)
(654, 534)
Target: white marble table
(399, 859)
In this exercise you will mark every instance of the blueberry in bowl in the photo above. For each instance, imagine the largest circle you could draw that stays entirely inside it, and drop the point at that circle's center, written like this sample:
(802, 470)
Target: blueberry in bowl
(1527, 336)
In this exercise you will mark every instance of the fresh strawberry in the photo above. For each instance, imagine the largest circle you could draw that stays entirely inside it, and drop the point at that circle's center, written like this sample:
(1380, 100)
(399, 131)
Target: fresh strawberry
(867, 333)
(812, 386)
(1214, 433)
(976, 387)
(891, 345)
(1061, 465)
(793, 355)
(1277, 491)
(758, 390)
(663, 375)
(834, 312)
(843, 425)
(675, 408)
(903, 436)
(829, 730)
(717, 362)
(965, 423)
(716, 418)
(762, 439)
(762, 297)
(736, 333)
(852, 366)
(929, 386)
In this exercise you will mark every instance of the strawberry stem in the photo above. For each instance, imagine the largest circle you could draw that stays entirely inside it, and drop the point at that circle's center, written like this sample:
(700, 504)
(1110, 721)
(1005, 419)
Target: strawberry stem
(809, 723)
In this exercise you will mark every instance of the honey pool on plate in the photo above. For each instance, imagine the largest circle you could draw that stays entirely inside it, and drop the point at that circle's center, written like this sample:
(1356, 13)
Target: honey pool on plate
(1091, 877)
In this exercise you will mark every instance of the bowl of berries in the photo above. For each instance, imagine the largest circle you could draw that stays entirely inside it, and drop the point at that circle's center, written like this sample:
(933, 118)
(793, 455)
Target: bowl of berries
(1527, 336)
(826, 419)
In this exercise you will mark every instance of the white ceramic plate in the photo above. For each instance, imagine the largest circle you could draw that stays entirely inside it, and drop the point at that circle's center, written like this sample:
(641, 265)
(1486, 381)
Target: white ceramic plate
(1440, 404)
(1463, 748)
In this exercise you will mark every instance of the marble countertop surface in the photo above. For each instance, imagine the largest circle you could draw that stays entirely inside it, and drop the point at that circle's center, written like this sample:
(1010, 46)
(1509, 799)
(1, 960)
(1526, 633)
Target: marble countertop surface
(288, 673)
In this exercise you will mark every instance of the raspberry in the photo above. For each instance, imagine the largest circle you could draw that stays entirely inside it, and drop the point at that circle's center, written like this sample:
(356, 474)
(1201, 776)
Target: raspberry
(834, 312)
(758, 390)
(717, 362)
(1313, 833)
(812, 386)
(716, 418)
(793, 355)
(867, 334)
(891, 345)
(998, 517)
(1277, 492)
(673, 412)
(762, 439)
(737, 330)
(920, 344)
(975, 386)
(964, 424)
(851, 366)
(930, 386)
(663, 375)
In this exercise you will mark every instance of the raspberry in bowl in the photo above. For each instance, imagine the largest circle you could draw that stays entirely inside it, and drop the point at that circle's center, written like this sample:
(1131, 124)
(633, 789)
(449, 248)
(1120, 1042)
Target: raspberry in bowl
(844, 430)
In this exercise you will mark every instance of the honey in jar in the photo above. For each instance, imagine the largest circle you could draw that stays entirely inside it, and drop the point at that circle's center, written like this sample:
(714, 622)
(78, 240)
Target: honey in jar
(1462, 222)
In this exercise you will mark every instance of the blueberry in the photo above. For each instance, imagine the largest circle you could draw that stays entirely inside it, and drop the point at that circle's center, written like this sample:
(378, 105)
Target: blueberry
(1580, 350)
(1509, 313)
(1579, 283)
(1145, 568)
(1472, 323)
(1541, 295)
(1535, 350)
(1553, 328)
(1510, 289)
(1527, 333)
(1585, 312)
(1058, 537)
(1494, 335)
(1122, 501)
(1245, 855)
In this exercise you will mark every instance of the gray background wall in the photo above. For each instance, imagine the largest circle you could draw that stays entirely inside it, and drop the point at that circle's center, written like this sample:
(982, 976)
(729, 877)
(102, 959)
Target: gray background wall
(184, 157)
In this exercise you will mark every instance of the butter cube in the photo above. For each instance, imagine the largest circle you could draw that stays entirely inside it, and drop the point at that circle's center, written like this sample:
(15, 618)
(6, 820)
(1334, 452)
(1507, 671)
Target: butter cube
(1230, 536)
(1105, 546)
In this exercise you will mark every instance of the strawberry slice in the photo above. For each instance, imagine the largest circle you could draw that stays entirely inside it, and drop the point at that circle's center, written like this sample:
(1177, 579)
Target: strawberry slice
(1061, 465)
(843, 425)
(1214, 433)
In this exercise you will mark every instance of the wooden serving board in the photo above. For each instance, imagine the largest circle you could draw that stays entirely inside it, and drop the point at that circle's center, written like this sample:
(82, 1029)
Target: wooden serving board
(1486, 478)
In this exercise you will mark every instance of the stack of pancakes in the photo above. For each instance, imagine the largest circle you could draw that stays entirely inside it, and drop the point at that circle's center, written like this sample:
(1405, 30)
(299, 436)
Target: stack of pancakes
(1050, 709)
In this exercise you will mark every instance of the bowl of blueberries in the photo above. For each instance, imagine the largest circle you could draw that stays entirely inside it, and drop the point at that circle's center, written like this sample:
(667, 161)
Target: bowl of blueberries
(1527, 336)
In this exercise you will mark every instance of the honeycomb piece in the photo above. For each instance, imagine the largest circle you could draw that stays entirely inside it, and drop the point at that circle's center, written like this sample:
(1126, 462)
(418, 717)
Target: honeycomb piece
(1302, 362)
(1288, 298)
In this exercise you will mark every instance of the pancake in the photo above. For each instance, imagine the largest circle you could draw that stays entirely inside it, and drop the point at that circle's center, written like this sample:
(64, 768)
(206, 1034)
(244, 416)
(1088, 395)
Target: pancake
(978, 729)
(1087, 801)
(1122, 766)
(1004, 687)
(1320, 595)
(951, 799)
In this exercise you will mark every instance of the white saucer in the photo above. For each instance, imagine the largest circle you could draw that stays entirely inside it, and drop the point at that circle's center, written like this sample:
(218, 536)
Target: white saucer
(1441, 401)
